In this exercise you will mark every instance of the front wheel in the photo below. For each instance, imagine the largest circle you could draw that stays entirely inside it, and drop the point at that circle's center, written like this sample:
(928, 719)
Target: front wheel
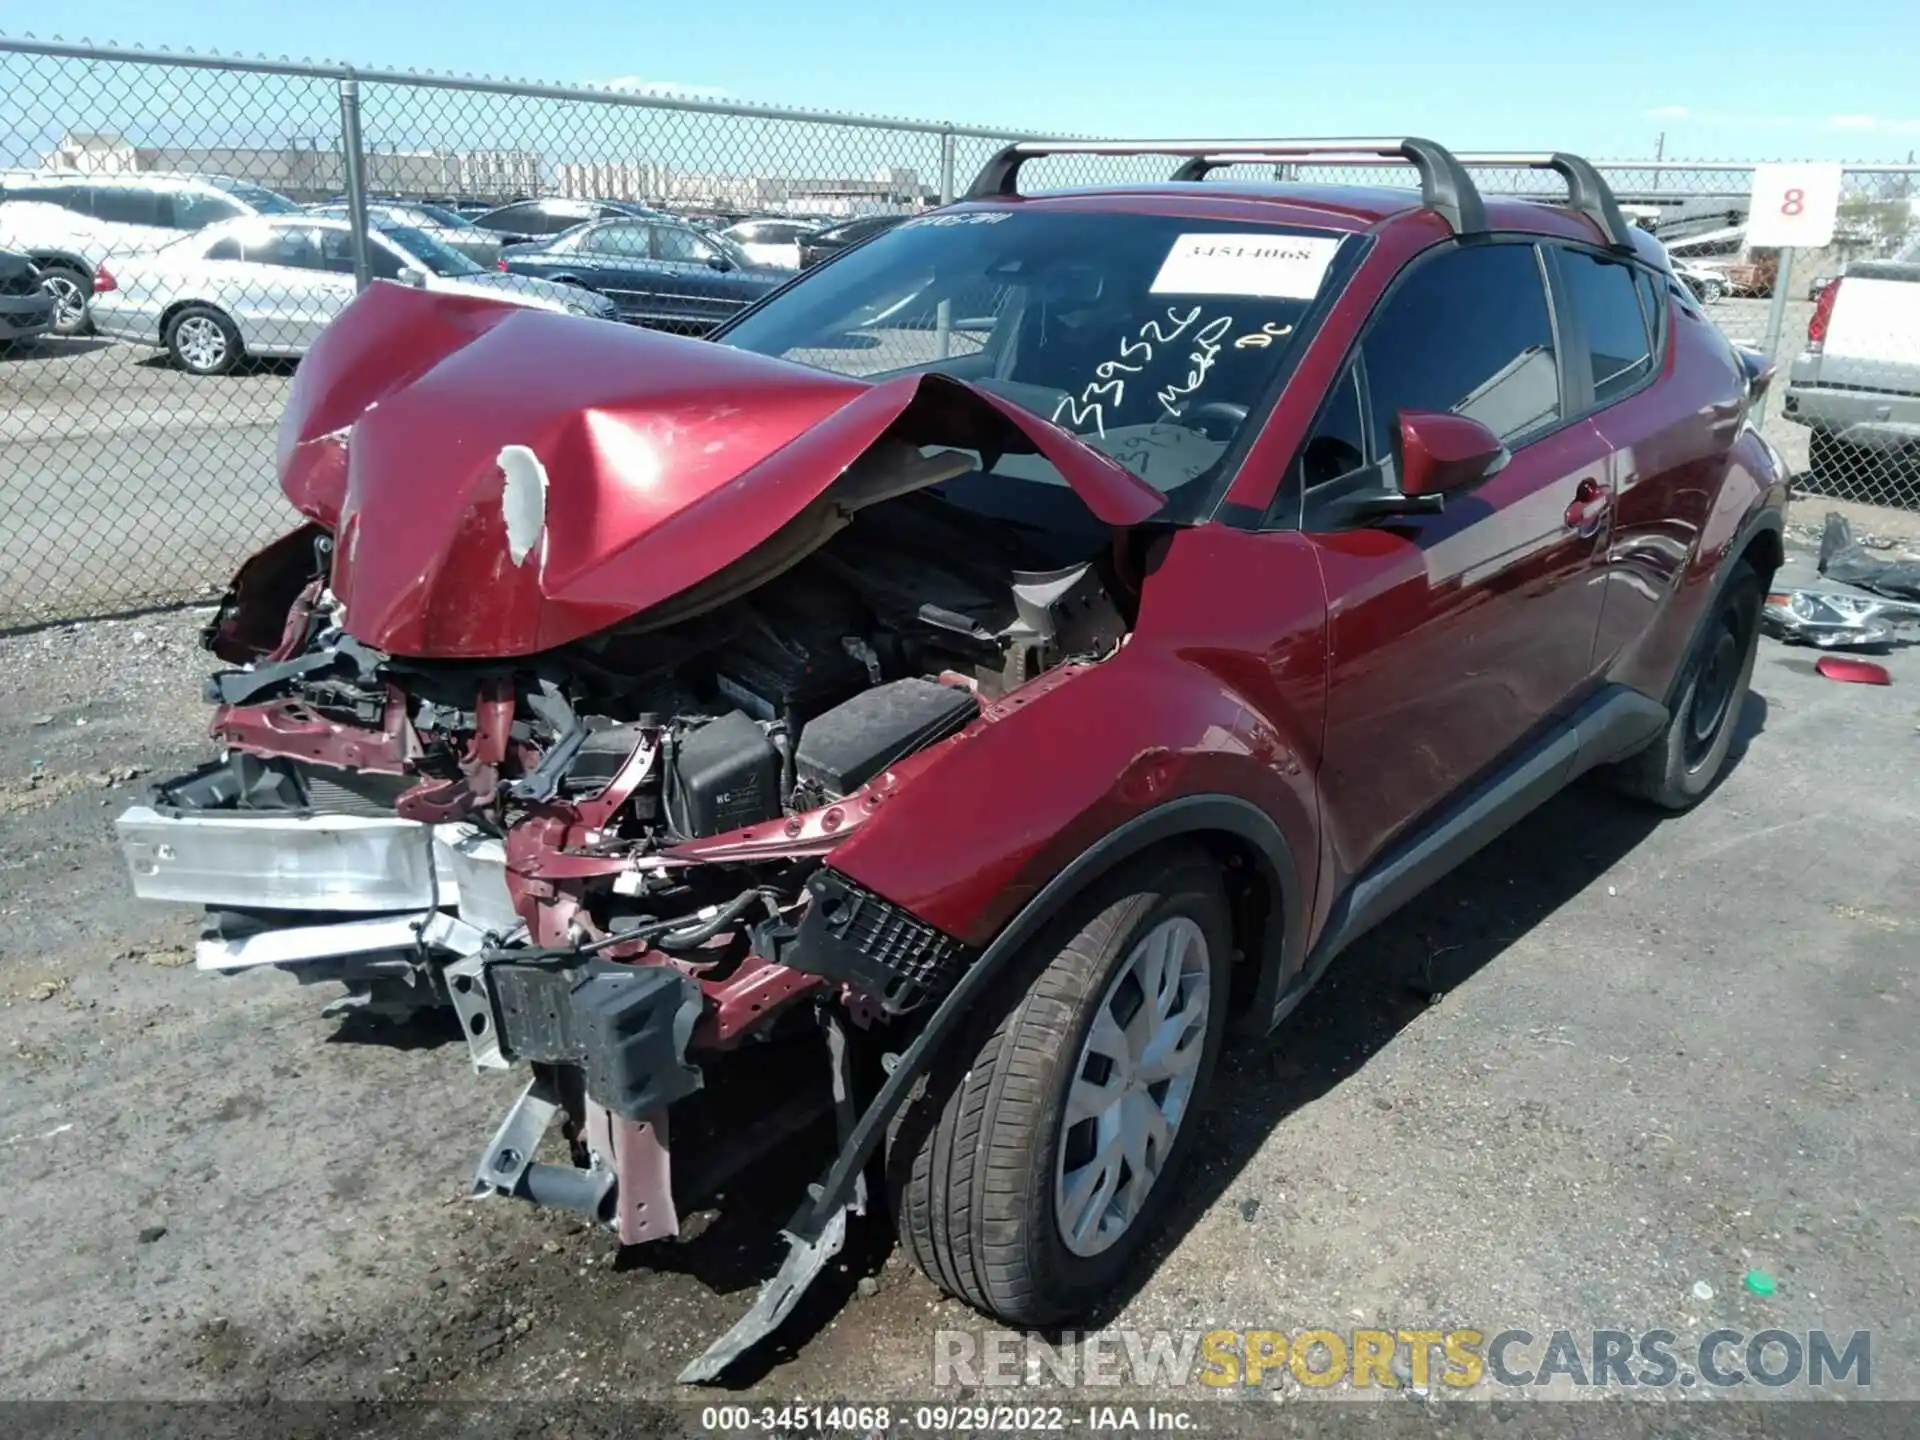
(1711, 290)
(203, 341)
(1679, 767)
(1042, 1154)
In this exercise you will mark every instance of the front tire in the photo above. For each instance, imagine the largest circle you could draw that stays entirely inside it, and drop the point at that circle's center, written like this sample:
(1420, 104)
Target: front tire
(1712, 290)
(203, 341)
(1041, 1156)
(1677, 770)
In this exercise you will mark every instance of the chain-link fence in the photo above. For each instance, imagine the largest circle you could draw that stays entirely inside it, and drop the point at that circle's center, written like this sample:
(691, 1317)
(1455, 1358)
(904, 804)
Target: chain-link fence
(194, 221)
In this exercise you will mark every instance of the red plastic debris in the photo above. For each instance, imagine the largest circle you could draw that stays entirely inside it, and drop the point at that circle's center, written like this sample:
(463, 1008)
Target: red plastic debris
(1854, 672)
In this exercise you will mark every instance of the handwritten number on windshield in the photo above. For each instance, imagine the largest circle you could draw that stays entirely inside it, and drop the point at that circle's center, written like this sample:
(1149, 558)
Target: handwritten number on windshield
(1137, 351)
(1109, 385)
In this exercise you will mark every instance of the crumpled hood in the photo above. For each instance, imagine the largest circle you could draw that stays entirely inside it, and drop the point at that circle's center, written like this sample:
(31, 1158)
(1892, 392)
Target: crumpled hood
(500, 480)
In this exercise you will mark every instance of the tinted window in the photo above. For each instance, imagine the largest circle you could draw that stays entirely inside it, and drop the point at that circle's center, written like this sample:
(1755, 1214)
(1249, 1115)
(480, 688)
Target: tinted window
(626, 241)
(1613, 315)
(524, 219)
(670, 243)
(67, 197)
(127, 205)
(284, 245)
(1338, 444)
(1653, 291)
(1467, 332)
(196, 209)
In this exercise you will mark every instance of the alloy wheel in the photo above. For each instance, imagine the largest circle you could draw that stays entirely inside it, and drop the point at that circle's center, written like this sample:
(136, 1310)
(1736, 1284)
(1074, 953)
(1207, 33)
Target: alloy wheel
(203, 344)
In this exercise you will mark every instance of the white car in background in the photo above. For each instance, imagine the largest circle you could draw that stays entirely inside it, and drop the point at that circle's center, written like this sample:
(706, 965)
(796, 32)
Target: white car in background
(68, 223)
(269, 286)
(772, 242)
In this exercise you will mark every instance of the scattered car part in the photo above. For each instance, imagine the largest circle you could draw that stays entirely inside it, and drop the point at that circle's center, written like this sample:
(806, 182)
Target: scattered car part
(1852, 671)
(1833, 620)
(1848, 563)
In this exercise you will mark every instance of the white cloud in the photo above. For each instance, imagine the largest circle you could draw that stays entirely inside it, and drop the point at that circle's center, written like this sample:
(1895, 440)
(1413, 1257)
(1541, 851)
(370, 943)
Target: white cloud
(1667, 112)
(663, 89)
(1853, 122)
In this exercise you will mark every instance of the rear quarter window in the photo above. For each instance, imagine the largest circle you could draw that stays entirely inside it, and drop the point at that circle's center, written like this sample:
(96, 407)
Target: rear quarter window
(1610, 302)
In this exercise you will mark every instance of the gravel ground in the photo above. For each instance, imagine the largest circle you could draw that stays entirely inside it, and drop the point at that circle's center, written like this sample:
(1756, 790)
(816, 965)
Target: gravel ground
(1610, 1061)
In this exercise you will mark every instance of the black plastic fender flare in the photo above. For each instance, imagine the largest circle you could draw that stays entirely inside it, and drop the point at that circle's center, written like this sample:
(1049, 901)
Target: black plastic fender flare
(1190, 815)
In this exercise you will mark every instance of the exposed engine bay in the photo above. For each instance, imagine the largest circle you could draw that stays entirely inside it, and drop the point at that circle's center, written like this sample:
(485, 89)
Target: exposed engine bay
(597, 648)
(611, 858)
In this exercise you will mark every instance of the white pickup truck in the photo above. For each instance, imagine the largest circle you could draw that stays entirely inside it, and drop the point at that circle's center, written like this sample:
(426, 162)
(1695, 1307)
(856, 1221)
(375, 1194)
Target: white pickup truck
(1857, 384)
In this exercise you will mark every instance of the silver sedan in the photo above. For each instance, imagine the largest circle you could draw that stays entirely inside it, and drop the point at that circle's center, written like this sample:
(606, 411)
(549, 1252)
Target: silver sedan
(268, 286)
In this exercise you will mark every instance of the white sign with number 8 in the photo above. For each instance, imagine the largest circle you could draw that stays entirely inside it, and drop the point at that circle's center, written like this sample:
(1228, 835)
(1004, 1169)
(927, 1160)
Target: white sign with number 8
(1793, 205)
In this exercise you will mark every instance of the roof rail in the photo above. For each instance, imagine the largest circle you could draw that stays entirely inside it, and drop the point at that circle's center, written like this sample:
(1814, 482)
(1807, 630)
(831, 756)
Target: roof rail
(1445, 186)
(1587, 193)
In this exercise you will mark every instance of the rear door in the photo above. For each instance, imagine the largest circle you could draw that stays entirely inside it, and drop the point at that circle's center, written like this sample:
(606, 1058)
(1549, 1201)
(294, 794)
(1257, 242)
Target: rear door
(1453, 637)
(621, 266)
(282, 293)
(695, 291)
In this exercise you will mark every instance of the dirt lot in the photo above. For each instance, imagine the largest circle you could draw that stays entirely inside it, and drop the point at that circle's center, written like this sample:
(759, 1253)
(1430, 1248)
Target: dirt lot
(1611, 1061)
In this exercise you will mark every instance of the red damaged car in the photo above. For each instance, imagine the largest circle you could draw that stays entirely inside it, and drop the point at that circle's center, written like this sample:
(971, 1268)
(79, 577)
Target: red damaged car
(984, 666)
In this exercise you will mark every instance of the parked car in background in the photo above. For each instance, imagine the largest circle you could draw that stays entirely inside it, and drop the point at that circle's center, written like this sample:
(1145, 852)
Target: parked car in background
(659, 272)
(270, 285)
(452, 230)
(835, 238)
(772, 241)
(68, 223)
(1706, 282)
(994, 724)
(27, 307)
(1856, 386)
(528, 221)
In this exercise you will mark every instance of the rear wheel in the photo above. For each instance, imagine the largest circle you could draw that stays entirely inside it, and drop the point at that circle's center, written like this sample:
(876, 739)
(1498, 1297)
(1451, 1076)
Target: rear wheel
(203, 341)
(70, 289)
(1680, 766)
(1041, 1156)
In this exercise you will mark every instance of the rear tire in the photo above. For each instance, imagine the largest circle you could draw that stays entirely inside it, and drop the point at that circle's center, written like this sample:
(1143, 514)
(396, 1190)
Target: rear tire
(982, 1166)
(203, 341)
(71, 288)
(1677, 770)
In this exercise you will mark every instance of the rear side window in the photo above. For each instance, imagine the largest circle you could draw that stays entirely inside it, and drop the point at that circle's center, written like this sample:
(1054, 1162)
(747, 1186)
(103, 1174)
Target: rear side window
(67, 197)
(628, 241)
(1467, 332)
(1607, 297)
(671, 243)
(523, 219)
(126, 205)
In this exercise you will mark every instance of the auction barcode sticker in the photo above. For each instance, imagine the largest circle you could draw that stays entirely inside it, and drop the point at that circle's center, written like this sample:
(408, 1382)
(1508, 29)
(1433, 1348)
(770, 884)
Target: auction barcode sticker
(1282, 267)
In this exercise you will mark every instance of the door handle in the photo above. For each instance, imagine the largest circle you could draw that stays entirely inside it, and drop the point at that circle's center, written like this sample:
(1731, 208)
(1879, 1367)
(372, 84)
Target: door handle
(1591, 503)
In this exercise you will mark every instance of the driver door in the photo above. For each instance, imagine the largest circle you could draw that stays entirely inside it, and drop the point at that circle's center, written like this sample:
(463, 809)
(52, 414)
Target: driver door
(1453, 636)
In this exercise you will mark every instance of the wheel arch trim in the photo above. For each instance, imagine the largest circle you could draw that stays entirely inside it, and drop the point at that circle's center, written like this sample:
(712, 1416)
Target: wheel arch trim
(1192, 816)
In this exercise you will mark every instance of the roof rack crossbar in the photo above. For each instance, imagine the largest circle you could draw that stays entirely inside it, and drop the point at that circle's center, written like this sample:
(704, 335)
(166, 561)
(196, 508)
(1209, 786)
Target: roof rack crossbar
(1587, 193)
(1445, 186)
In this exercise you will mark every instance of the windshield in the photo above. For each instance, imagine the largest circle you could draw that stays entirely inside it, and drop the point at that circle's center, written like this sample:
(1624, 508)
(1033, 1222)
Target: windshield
(262, 200)
(440, 259)
(1155, 339)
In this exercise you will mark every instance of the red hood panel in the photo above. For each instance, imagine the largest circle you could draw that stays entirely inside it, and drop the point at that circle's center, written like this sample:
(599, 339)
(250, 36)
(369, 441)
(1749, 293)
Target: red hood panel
(501, 480)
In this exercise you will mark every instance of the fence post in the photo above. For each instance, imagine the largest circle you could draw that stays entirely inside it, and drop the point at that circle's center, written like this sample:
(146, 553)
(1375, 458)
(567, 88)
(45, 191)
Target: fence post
(355, 164)
(946, 167)
(1776, 317)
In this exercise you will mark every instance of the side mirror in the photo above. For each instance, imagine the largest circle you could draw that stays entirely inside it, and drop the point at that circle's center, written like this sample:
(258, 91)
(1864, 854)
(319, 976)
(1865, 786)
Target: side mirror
(1436, 452)
(416, 278)
(719, 262)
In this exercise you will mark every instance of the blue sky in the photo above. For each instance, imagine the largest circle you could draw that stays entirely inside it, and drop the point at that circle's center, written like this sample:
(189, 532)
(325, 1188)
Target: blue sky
(1737, 79)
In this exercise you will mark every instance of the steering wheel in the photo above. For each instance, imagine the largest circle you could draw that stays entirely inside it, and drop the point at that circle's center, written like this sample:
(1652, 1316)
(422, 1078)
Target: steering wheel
(1205, 418)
